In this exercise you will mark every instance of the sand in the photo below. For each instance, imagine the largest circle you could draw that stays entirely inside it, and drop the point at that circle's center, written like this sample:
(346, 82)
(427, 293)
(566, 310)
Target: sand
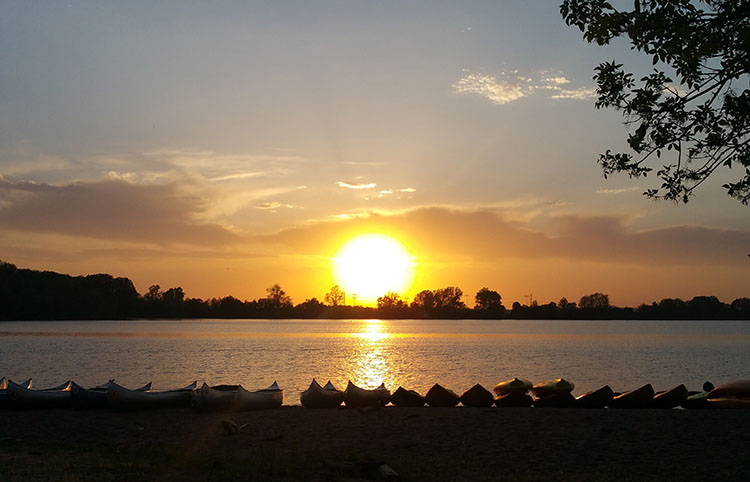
(436, 444)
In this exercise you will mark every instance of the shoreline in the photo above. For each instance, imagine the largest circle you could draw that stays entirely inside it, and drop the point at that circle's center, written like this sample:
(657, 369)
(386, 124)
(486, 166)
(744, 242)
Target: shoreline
(441, 444)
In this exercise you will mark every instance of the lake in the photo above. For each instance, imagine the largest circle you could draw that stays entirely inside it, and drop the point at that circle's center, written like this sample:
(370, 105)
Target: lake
(412, 353)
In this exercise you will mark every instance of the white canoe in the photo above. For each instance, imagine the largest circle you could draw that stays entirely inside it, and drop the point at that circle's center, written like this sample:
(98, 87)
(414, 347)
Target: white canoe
(271, 397)
(321, 397)
(359, 397)
(21, 397)
(219, 397)
(121, 398)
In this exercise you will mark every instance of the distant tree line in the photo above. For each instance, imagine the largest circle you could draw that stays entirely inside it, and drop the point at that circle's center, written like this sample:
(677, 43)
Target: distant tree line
(43, 295)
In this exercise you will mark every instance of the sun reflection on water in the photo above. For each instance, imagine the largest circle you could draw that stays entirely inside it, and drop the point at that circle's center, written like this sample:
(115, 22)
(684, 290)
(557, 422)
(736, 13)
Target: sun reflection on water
(370, 364)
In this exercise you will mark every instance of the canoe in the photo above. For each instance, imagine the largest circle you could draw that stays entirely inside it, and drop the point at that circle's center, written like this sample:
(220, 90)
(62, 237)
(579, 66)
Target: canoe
(321, 397)
(697, 401)
(216, 398)
(439, 396)
(595, 399)
(738, 389)
(271, 397)
(4, 396)
(121, 398)
(742, 403)
(671, 398)
(407, 398)
(514, 399)
(551, 387)
(638, 398)
(477, 396)
(359, 397)
(556, 400)
(514, 385)
(96, 397)
(24, 398)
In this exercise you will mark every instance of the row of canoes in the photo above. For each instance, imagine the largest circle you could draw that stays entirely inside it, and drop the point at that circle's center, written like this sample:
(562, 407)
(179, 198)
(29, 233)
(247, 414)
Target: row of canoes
(522, 393)
(510, 393)
(112, 395)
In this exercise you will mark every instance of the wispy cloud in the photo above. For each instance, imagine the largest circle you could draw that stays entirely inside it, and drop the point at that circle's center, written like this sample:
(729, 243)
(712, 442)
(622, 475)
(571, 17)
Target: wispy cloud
(508, 86)
(352, 185)
(617, 191)
(499, 91)
(239, 175)
(272, 205)
(582, 93)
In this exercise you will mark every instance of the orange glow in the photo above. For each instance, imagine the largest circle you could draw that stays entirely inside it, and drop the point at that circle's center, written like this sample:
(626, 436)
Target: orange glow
(369, 265)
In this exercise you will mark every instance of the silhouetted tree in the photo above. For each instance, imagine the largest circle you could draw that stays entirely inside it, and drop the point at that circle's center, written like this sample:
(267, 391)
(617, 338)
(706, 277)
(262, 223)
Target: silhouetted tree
(594, 301)
(391, 300)
(277, 298)
(424, 300)
(705, 116)
(449, 298)
(310, 308)
(153, 294)
(335, 297)
(487, 299)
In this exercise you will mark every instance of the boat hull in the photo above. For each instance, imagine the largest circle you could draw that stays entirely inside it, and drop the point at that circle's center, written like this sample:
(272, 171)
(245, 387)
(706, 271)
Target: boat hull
(439, 396)
(407, 398)
(359, 397)
(596, 399)
(318, 397)
(671, 398)
(638, 398)
(477, 396)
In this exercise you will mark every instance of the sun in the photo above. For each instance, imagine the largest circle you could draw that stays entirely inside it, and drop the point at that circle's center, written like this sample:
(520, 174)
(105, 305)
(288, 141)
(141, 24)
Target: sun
(369, 265)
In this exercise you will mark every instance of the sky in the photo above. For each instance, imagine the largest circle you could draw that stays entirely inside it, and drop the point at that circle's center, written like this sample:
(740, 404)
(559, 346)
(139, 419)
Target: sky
(226, 146)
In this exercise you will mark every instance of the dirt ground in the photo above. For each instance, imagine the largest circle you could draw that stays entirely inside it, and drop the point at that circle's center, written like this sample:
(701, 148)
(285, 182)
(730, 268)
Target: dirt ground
(435, 444)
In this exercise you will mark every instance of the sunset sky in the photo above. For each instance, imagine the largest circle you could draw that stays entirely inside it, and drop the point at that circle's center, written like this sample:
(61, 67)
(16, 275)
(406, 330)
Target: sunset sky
(227, 146)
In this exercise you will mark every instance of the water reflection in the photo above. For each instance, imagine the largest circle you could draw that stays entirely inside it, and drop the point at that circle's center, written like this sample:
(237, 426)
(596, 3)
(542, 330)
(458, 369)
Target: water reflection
(370, 363)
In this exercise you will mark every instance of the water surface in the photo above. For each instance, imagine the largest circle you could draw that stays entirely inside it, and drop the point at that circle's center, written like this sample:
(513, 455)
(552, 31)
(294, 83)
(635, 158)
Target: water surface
(412, 353)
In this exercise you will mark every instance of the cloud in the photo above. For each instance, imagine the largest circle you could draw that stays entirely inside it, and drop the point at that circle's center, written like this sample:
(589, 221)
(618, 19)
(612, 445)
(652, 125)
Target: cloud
(617, 191)
(111, 209)
(508, 86)
(582, 93)
(489, 236)
(351, 185)
(240, 175)
(497, 91)
(407, 189)
(272, 205)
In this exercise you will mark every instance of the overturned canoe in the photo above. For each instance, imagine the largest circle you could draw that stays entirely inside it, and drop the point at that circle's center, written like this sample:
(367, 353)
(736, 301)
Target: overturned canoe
(121, 398)
(555, 400)
(671, 398)
(96, 397)
(595, 399)
(271, 397)
(514, 385)
(477, 396)
(321, 397)
(4, 396)
(359, 397)
(551, 387)
(407, 398)
(638, 398)
(514, 399)
(738, 389)
(216, 398)
(23, 398)
(439, 396)
(741, 403)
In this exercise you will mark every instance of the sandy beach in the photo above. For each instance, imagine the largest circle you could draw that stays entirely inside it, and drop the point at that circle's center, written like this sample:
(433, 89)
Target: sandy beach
(453, 444)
